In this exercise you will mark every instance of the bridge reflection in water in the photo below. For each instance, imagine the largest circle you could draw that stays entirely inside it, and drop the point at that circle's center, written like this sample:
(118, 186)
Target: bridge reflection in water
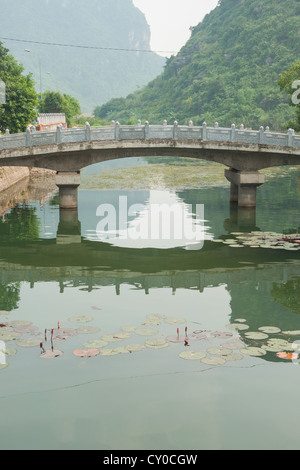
(72, 261)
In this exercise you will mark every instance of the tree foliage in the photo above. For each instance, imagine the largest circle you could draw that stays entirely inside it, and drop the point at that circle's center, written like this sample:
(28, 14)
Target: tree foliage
(21, 97)
(227, 72)
(55, 102)
(289, 81)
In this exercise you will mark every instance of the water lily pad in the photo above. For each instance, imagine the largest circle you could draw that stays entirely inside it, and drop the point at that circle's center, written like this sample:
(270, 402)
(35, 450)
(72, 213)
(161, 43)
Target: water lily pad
(95, 343)
(4, 312)
(90, 352)
(156, 316)
(108, 352)
(214, 360)
(234, 357)
(134, 347)
(81, 319)
(221, 334)
(198, 336)
(122, 350)
(121, 336)
(253, 351)
(176, 338)
(173, 320)
(9, 336)
(238, 326)
(292, 333)
(269, 329)
(19, 323)
(87, 330)
(51, 354)
(192, 355)
(110, 338)
(128, 329)
(234, 344)
(8, 351)
(32, 330)
(272, 347)
(3, 366)
(157, 343)
(145, 332)
(256, 335)
(28, 343)
(219, 351)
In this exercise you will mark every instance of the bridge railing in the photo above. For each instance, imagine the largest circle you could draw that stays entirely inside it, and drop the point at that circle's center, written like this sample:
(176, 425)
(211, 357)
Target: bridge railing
(146, 131)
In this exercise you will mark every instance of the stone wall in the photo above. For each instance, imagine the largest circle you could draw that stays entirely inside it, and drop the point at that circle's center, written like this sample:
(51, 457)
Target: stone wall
(12, 175)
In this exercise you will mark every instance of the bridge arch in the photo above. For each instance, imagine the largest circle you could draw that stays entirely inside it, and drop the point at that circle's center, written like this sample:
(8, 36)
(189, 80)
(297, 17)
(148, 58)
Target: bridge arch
(242, 152)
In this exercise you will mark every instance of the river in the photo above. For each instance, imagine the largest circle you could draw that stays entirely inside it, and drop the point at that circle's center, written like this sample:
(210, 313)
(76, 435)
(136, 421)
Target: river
(179, 344)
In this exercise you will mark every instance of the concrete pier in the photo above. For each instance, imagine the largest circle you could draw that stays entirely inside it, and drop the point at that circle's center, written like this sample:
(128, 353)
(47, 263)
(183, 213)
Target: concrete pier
(68, 183)
(244, 186)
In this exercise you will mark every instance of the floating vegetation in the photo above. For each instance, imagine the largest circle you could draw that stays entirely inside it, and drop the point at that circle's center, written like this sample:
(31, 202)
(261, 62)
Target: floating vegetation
(266, 342)
(128, 329)
(81, 319)
(20, 323)
(256, 335)
(145, 332)
(95, 343)
(87, 330)
(271, 240)
(28, 342)
(269, 329)
(158, 343)
(9, 336)
(135, 347)
(214, 360)
(51, 354)
(8, 352)
(192, 355)
(172, 320)
(253, 351)
(91, 352)
(238, 327)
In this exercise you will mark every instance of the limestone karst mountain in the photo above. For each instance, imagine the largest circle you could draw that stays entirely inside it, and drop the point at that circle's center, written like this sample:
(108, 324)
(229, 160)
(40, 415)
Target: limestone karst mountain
(93, 76)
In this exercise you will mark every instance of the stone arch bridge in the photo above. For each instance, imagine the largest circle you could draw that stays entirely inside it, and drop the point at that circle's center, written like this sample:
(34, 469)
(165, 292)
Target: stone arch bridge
(67, 151)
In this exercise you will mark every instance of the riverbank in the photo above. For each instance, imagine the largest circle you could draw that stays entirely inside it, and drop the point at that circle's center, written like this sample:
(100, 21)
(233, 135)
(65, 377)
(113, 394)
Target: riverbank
(10, 176)
(20, 185)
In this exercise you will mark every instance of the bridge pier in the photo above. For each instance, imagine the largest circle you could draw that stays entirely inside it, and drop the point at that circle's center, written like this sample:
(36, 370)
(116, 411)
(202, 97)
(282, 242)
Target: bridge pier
(68, 183)
(244, 185)
(69, 228)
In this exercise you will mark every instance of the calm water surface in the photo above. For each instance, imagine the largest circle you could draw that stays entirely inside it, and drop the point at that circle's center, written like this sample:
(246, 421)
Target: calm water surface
(54, 269)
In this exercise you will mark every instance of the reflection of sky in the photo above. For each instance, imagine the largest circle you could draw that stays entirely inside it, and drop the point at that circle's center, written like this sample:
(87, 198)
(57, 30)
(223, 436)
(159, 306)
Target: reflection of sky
(132, 219)
(162, 221)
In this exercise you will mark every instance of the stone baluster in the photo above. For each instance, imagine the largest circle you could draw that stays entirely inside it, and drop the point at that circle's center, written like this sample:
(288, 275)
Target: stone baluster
(147, 130)
(88, 132)
(290, 138)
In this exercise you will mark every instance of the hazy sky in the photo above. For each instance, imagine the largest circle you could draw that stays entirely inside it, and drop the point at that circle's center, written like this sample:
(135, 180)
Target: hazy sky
(170, 20)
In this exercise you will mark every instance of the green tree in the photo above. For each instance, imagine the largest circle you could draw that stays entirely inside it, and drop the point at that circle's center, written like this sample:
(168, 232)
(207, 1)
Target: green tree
(21, 97)
(55, 102)
(290, 82)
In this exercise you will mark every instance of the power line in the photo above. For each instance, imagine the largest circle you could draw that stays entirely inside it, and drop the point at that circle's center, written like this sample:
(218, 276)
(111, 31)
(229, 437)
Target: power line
(87, 47)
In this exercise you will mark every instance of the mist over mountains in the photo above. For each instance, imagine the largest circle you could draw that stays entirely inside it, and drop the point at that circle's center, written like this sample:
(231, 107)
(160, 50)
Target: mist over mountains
(93, 76)
(227, 72)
